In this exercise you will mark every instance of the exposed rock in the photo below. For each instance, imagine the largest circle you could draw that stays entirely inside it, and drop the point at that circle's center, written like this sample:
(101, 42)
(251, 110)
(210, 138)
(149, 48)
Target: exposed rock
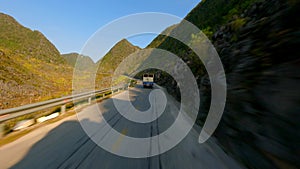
(262, 70)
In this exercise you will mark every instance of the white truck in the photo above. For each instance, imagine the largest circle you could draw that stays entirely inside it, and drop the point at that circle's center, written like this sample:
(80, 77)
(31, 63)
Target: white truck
(148, 80)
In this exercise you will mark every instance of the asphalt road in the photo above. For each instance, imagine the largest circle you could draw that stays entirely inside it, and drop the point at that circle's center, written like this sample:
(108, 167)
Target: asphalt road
(65, 144)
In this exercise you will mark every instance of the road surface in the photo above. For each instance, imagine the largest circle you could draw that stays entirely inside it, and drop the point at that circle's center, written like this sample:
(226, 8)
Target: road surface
(64, 144)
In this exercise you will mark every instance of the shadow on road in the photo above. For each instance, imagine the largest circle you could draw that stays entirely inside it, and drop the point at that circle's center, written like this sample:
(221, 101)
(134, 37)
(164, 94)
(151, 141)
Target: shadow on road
(68, 146)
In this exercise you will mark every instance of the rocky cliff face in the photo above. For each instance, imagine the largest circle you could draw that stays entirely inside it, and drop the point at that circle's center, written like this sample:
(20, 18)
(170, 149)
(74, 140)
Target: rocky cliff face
(261, 60)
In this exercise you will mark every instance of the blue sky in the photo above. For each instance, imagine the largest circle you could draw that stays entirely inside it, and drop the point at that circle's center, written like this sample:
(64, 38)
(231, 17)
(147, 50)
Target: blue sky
(68, 24)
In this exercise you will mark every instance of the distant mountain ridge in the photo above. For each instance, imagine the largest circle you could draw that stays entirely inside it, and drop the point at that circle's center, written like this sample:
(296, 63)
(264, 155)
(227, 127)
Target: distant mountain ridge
(86, 62)
(115, 56)
(110, 62)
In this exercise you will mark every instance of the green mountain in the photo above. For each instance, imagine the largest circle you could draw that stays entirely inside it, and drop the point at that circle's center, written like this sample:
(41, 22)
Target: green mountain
(86, 63)
(108, 64)
(257, 42)
(115, 56)
(31, 68)
(25, 42)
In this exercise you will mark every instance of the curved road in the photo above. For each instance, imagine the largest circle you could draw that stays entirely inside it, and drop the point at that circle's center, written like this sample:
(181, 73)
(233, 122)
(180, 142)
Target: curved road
(64, 144)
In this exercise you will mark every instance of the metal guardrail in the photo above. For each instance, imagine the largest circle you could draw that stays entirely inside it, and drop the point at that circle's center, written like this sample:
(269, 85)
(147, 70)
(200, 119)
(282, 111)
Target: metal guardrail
(12, 113)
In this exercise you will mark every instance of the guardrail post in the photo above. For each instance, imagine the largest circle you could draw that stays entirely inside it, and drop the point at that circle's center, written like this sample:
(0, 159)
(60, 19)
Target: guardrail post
(63, 109)
(1, 130)
(112, 92)
(90, 100)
